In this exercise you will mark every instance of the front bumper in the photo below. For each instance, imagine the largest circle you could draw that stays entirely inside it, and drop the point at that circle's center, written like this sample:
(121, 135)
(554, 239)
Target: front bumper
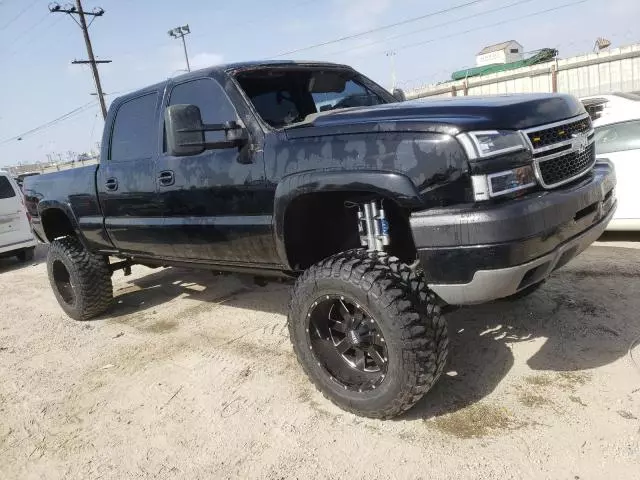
(478, 253)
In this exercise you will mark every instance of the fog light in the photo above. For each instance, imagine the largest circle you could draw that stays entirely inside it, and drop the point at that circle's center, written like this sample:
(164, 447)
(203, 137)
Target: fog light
(502, 183)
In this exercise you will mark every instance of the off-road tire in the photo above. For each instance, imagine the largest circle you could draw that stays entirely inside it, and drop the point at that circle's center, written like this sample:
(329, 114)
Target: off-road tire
(89, 277)
(25, 255)
(404, 309)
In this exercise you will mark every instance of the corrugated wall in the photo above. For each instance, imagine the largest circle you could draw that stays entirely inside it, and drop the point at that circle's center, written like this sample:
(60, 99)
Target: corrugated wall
(615, 71)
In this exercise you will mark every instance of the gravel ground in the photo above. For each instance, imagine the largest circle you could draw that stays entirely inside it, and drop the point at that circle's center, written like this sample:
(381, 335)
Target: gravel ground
(192, 376)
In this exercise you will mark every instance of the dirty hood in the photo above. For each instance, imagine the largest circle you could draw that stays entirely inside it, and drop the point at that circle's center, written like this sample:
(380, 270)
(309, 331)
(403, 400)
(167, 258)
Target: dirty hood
(450, 115)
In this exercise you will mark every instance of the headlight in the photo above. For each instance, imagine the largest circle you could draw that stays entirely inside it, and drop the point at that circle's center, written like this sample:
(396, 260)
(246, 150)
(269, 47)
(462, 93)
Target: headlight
(491, 142)
(502, 183)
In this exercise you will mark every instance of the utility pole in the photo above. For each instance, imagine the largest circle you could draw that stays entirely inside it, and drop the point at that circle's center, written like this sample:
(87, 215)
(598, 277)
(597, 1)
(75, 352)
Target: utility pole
(97, 12)
(180, 32)
(392, 55)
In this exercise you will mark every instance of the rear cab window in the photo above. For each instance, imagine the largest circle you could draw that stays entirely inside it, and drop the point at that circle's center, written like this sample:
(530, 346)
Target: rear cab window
(134, 135)
(287, 96)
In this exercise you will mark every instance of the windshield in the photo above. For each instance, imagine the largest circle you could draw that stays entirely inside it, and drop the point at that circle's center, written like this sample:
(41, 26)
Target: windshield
(285, 97)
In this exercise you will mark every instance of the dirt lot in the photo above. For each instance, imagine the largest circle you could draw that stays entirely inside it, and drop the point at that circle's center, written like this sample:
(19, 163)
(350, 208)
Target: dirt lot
(191, 376)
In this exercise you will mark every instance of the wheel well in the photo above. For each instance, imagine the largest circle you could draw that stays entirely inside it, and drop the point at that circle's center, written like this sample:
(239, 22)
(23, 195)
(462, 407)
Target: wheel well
(56, 223)
(318, 225)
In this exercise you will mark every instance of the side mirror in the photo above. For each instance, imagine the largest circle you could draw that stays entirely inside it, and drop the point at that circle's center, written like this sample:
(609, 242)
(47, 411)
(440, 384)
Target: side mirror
(185, 131)
(398, 93)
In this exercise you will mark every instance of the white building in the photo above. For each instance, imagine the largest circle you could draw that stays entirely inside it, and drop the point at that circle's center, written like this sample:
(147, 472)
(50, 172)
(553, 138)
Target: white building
(505, 52)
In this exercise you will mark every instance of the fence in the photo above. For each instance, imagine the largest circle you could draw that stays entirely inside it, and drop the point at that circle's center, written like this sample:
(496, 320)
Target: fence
(592, 74)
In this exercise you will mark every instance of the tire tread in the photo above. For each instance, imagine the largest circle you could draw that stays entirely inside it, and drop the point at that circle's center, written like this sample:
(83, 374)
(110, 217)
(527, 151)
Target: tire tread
(413, 312)
(94, 290)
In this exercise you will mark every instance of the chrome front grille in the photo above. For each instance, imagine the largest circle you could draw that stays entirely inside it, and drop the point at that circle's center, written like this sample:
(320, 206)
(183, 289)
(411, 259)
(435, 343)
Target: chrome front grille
(558, 133)
(557, 170)
(563, 151)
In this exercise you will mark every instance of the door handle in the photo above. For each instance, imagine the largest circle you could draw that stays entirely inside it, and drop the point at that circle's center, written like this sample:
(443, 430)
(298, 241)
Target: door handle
(111, 184)
(166, 178)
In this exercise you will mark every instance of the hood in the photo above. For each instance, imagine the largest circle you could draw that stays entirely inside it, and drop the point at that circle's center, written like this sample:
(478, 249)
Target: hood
(449, 115)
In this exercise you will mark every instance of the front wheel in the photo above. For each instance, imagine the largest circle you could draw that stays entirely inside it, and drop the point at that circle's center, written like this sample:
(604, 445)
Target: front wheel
(364, 335)
(81, 280)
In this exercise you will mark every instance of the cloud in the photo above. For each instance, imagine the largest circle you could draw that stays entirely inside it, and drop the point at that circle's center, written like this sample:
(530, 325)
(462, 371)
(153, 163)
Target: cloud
(358, 15)
(205, 59)
(198, 60)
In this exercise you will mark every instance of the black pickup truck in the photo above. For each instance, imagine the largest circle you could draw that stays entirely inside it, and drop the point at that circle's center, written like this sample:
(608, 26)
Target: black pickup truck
(383, 211)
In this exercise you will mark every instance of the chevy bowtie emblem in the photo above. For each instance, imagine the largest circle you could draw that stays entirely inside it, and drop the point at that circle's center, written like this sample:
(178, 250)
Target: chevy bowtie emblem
(580, 142)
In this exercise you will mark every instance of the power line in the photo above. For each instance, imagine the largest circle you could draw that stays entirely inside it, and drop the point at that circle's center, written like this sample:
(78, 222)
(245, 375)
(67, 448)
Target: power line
(482, 27)
(534, 14)
(33, 40)
(431, 27)
(71, 114)
(4, 27)
(30, 29)
(378, 29)
(260, 20)
(51, 123)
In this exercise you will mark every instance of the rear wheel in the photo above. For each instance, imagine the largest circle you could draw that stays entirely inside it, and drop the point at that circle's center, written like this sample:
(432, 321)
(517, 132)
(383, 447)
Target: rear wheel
(81, 281)
(25, 255)
(364, 335)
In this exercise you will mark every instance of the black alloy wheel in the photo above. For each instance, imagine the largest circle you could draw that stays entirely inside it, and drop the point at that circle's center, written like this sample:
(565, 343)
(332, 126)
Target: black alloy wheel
(80, 280)
(62, 282)
(368, 332)
(347, 343)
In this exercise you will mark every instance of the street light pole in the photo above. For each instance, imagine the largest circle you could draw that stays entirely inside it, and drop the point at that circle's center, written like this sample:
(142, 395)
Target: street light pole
(186, 55)
(392, 55)
(180, 32)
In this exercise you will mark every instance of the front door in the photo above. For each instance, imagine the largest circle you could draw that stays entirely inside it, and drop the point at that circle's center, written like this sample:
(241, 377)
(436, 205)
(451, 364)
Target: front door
(126, 179)
(216, 205)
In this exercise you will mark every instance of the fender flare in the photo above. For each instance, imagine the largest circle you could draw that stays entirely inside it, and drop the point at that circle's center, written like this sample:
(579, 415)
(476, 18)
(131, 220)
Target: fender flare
(45, 205)
(391, 185)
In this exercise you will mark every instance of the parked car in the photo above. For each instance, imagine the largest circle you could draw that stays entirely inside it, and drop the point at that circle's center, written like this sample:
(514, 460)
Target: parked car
(16, 238)
(617, 137)
(383, 212)
(20, 178)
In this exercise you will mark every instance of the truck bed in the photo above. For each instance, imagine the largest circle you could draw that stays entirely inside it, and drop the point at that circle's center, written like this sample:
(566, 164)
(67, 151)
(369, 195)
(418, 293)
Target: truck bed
(80, 205)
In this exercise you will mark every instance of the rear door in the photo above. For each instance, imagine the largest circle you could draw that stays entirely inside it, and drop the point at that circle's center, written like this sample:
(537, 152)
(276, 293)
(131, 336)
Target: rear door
(126, 181)
(14, 225)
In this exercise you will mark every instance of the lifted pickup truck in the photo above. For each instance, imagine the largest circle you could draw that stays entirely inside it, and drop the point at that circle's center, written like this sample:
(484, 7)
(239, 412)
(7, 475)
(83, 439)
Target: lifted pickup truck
(383, 211)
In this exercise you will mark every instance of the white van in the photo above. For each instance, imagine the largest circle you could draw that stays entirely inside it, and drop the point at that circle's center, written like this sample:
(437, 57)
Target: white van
(15, 232)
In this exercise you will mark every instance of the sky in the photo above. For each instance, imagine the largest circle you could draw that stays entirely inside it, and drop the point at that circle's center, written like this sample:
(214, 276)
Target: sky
(38, 83)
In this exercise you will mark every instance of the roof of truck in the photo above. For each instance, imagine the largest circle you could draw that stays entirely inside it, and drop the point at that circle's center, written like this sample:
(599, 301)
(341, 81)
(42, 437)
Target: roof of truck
(273, 63)
(231, 67)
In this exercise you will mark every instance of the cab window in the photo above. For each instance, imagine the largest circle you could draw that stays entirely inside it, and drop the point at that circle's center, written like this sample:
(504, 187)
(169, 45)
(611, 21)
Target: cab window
(210, 98)
(134, 133)
(284, 97)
